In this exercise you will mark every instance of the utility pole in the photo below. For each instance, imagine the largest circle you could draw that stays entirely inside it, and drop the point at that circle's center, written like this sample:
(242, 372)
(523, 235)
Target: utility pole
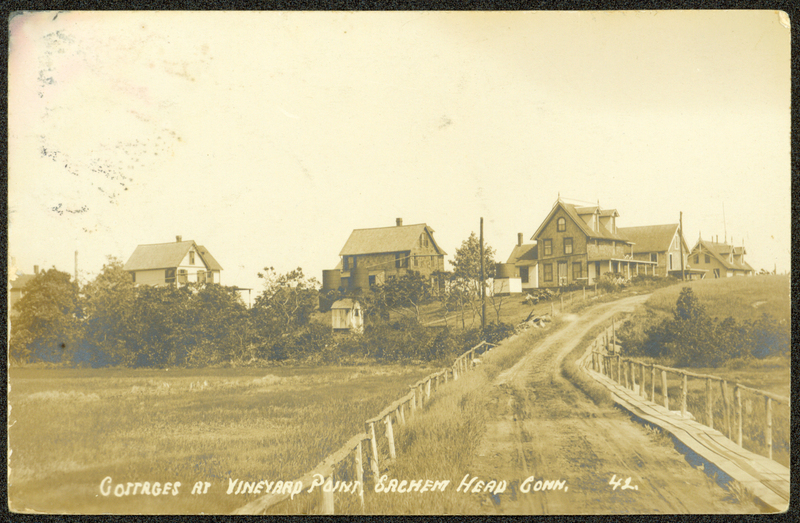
(76, 266)
(483, 288)
(680, 240)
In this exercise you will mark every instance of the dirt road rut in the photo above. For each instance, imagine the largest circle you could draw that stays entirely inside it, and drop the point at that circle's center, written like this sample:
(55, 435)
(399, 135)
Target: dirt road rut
(542, 426)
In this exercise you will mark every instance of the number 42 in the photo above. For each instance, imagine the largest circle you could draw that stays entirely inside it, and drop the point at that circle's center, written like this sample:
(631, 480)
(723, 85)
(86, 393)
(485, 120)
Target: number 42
(618, 483)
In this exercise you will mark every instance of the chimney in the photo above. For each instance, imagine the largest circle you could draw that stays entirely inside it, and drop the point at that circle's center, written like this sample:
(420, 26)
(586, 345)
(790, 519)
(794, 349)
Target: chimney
(399, 222)
(36, 269)
(519, 238)
(178, 238)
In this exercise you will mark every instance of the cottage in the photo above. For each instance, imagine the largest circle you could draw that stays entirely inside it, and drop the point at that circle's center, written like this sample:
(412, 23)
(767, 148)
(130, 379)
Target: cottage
(386, 252)
(524, 259)
(173, 264)
(16, 288)
(661, 244)
(347, 315)
(580, 244)
(720, 260)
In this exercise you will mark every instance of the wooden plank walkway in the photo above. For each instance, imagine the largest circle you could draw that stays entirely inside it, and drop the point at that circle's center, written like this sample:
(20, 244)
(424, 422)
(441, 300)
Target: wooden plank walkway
(766, 479)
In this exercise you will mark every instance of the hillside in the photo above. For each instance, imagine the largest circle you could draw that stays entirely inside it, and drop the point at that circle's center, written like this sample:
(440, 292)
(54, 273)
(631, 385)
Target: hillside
(742, 298)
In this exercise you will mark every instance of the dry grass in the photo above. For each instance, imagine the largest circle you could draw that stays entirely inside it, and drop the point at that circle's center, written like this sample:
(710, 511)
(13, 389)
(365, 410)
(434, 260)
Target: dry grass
(71, 428)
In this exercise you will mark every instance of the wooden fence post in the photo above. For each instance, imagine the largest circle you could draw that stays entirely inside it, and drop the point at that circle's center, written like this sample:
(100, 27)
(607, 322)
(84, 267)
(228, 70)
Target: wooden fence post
(376, 473)
(653, 383)
(428, 389)
(359, 470)
(726, 407)
(664, 391)
(413, 403)
(642, 388)
(619, 369)
(684, 393)
(455, 372)
(418, 388)
(738, 393)
(390, 435)
(401, 412)
(768, 434)
(446, 372)
(326, 504)
(632, 372)
(709, 404)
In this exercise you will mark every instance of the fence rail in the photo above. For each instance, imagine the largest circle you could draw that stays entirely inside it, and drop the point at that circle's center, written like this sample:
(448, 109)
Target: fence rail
(418, 396)
(632, 374)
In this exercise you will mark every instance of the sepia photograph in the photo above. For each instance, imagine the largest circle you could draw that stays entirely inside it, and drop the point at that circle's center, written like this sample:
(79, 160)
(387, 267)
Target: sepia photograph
(423, 262)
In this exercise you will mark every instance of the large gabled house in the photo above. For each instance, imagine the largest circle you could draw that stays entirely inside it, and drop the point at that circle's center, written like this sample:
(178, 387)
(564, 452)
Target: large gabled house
(386, 252)
(661, 244)
(720, 260)
(173, 263)
(578, 244)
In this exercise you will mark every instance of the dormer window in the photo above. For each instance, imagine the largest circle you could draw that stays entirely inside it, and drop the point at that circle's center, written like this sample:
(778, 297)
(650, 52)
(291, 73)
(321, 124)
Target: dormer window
(561, 225)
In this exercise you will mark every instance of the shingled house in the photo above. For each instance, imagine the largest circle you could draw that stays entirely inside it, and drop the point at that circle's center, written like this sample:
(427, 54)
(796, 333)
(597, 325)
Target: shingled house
(173, 263)
(387, 252)
(721, 260)
(525, 260)
(661, 244)
(580, 244)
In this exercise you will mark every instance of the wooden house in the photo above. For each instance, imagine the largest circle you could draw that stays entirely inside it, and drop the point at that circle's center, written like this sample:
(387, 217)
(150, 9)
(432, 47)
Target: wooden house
(720, 260)
(16, 288)
(579, 244)
(386, 252)
(347, 316)
(174, 263)
(661, 244)
(524, 259)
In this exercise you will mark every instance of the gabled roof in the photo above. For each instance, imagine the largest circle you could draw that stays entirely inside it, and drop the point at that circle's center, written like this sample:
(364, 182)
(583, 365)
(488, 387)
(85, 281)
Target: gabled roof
(345, 303)
(386, 239)
(575, 213)
(22, 280)
(720, 251)
(650, 238)
(166, 255)
(525, 254)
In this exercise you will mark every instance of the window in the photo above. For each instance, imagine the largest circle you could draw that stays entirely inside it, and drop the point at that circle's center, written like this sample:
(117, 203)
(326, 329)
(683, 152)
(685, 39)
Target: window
(547, 269)
(191, 257)
(708, 258)
(416, 261)
(561, 225)
(183, 276)
(716, 273)
(548, 247)
(426, 239)
(697, 259)
(371, 281)
(345, 263)
(670, 261)
(567, 245)
(210, 277)
(169, 276)
(654, 257)
(523, 274)
(577, 271)
(133, 276)
(201, 276)
(400, 260)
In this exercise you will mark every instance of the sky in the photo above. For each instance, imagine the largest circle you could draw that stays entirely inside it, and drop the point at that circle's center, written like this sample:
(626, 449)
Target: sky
(269, 137)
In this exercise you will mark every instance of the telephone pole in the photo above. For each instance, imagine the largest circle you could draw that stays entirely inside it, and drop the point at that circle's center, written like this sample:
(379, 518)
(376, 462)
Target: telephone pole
(483, 288)
(680, 240)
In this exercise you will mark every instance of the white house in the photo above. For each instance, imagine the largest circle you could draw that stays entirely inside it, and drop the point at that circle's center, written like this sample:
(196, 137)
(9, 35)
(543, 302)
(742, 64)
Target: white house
(173, 263)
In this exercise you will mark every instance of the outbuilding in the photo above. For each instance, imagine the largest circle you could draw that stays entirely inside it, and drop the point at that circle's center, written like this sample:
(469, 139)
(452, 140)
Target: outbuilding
(347, 315)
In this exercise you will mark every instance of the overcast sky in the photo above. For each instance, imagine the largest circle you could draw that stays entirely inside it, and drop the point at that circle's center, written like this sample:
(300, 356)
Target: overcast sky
(269, 137)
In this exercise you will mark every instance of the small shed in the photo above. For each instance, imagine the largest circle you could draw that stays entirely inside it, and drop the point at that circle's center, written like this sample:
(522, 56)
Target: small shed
(347, 315)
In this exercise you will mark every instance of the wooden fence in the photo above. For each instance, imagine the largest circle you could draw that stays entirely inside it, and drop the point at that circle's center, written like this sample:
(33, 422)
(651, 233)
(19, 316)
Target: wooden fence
(418, 396)
(648, 378)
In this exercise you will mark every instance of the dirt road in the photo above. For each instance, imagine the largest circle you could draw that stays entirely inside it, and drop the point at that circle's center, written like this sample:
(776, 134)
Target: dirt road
(543, 426)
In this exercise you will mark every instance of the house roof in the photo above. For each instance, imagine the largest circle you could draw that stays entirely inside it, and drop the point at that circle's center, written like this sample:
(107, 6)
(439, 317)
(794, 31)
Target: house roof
(575, 213)
(721, 251)
(22, 280)
(345, 303)
(650, 238)
(386, 239)
(166, 255)
(525, 254)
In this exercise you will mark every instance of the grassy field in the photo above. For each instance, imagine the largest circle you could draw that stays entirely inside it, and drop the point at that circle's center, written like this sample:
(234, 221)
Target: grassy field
(71, 428)
(741, 298)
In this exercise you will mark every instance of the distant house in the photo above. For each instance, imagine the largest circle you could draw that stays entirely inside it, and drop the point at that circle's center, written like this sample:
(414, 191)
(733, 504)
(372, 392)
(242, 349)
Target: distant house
(386, 252)
(720, 260)
(347, 315)
(579, 244)
(661, 244)
(16, 288)
(524, 259)
(173, 263)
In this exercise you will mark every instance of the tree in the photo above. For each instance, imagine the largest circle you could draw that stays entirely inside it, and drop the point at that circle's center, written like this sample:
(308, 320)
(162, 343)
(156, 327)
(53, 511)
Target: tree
(467, 272)
(48, 325)
(406, 293)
